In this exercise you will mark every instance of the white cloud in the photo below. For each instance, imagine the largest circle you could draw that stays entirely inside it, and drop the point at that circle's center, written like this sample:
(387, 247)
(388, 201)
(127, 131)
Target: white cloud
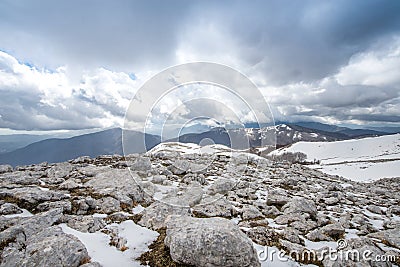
(40, 99)
(377, 67)
(366, 90)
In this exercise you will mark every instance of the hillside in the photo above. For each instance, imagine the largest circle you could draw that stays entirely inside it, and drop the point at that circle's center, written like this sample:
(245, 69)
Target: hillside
(106, 142)
(361, 159)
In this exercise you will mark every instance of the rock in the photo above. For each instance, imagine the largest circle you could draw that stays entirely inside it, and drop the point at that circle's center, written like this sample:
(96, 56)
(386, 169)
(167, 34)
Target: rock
(12, 179)
(277, 198)
(335, 231)
(270, 211)
(159, 179)
(70, 185)
(30, 197)
(34, 224)
(49, 247)
(329, 232)
(246, 193)
(118, 183)
(209, 242)
(80, 206)
(141, 164)
(221, 186)
(182, 166)
(390, 237)
(109, 205)
(394, 210)
(81, 160)
(118, 217)
(292, 235)
(292, 247)
(301, 206)
(179, 167)
(213, 206)
(9, 208)
(374, 209)
(250, 212)
(17, 233)
(316, 236)
(288, 218)
(155, 215)
(60, 170)
(264, 236)
(359, 219)
(289, 181)
(189, 198)
(65, 205)
(331, 201)
(91, 170)
(194, 177)
(304, 225)
(5, 168)
(81, 223)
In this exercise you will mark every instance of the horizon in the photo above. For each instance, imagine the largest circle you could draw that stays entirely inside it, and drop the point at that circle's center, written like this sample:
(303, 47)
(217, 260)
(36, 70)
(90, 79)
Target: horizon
(73, 133)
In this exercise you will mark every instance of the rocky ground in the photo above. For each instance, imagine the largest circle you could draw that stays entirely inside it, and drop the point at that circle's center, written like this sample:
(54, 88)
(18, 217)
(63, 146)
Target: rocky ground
(205, 210)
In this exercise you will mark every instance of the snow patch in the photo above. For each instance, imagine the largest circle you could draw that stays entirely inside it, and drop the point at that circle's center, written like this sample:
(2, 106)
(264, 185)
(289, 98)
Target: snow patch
(97, 244)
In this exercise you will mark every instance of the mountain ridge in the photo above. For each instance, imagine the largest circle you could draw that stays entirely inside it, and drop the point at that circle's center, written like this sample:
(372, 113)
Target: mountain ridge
(110, 141)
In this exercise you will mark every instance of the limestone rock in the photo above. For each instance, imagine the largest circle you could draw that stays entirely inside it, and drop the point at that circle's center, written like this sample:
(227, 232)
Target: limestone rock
(213, 206)
(221, 186)
(391, 237)
(209, 242)
(118, 183)
(9, 208)
(5, 168)
(49, 247)
(300, 205)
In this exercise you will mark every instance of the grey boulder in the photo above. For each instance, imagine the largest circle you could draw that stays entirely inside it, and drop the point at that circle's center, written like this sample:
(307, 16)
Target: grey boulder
(209, 242)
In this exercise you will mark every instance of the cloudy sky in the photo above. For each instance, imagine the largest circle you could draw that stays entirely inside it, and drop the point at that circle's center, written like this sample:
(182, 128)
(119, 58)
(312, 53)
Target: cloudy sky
(74, 65)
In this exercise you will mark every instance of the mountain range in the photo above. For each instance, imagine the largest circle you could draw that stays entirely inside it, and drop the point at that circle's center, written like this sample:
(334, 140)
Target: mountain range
(106, 142)
(110, 141)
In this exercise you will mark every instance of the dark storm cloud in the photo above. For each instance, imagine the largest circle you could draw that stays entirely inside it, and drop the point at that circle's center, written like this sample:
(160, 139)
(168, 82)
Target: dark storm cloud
(290, 40)
(308, 40)
(92, 33)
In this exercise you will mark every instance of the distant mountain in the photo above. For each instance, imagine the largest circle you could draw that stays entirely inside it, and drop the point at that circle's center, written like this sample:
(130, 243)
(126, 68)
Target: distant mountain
(12, 142)
(290, 133)
(254, 137)
(100, 143)
(352, 133)
(218, 135)
(110, 141)
(390, 130)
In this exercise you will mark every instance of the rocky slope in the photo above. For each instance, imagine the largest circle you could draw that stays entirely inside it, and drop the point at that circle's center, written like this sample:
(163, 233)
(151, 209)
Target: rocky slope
(182, 205)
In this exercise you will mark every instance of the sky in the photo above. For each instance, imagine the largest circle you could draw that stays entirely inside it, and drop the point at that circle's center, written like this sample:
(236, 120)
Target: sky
(76, 65)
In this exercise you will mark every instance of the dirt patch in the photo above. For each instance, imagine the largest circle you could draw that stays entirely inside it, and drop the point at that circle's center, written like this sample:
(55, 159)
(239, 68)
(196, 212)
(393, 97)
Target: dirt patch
(158, 254)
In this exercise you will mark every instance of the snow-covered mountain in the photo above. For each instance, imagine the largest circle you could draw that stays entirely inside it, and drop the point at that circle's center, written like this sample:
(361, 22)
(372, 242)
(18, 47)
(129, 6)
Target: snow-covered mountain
(109, 142)
(286, 134)
(358, 159)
